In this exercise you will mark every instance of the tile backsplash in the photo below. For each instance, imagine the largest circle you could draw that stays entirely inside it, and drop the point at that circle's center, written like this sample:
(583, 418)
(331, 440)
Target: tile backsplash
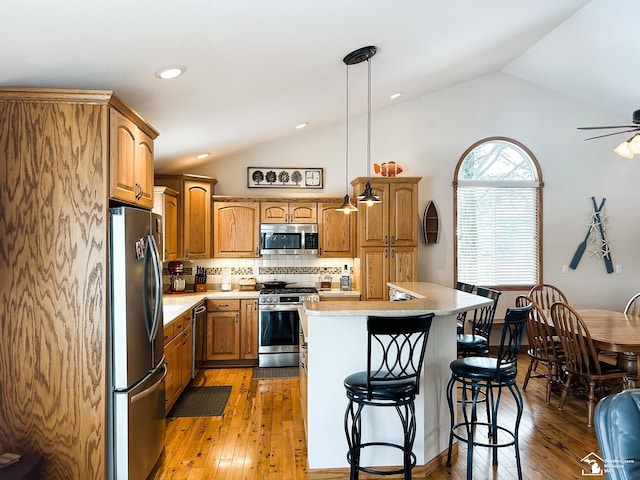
(301, 269)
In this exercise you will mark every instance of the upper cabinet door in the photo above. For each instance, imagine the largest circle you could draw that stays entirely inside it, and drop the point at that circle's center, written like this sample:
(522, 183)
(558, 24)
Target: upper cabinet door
(285, 212)
(131, 161)
(403, 209)
(143, 168)
(303, 213)
(274, 212)
(236, 229)
(336, 232)
(374, 220)
(170, 219)
(197, 220)
(123, 154)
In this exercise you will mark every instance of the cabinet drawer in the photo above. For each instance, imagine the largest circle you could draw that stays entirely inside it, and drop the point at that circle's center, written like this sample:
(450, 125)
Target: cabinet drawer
(223, 305)
(168, 332)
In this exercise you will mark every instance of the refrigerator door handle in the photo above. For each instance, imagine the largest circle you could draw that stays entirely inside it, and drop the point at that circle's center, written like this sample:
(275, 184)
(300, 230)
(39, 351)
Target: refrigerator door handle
(148, 391)
(157, 275)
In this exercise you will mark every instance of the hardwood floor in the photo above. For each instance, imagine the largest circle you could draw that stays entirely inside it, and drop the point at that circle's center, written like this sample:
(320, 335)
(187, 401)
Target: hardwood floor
(261, 436)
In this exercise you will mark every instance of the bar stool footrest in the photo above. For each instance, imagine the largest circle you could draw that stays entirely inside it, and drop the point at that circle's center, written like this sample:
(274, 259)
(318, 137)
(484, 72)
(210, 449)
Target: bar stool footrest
(464, 438)
(374, 471)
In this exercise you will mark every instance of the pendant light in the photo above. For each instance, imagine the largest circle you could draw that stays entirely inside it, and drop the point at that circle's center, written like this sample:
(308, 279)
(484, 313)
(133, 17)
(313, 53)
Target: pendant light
(355, 57)
(347, 207)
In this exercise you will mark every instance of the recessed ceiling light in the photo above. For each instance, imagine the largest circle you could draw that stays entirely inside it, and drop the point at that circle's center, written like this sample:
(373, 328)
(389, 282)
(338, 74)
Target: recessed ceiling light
(302, 125)
(171, 71)
(396, 95)
(202, 155)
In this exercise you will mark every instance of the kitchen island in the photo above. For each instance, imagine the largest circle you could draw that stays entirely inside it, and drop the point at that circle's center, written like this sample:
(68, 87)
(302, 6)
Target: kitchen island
(336, 338)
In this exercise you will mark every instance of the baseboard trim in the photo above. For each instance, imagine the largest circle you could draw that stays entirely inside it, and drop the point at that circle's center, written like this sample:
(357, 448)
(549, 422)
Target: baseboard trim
(419, 471)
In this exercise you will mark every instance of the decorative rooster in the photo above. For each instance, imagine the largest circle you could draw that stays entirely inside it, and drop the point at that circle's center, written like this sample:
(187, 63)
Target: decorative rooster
(388, 169)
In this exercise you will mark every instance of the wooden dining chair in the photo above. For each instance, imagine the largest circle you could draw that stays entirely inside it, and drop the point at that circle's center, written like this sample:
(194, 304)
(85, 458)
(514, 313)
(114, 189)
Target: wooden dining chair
(633, 305)
(544, 349)
(545, 295)
(581, 358)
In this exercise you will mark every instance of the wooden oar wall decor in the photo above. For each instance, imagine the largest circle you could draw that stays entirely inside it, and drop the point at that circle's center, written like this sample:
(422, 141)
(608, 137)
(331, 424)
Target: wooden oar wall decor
(601, 249)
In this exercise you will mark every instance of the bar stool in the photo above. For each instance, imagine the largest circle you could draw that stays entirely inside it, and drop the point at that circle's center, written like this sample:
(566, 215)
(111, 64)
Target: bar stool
(477, 342)
(462, 316)
(489, 374)
(395, 352)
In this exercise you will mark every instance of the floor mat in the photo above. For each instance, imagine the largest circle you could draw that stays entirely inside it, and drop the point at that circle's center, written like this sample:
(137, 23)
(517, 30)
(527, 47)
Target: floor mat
(201, 402)
(275, 372)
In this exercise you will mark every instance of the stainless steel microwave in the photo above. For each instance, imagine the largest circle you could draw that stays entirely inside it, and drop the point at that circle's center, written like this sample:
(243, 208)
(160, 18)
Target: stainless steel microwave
(288, 238)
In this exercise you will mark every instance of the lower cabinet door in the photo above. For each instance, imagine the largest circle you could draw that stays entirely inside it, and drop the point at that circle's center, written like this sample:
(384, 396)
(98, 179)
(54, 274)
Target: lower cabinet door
(223, 336)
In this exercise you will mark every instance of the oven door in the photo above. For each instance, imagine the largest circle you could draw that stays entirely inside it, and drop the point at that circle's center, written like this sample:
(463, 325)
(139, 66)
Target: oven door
(279, 328)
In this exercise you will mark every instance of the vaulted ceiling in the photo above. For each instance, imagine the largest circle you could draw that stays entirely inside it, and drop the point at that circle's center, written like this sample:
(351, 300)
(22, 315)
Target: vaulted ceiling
(258, 68)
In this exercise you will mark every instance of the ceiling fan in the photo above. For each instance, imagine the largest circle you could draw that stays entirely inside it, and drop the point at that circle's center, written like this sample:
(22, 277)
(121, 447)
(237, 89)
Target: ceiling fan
(632, 145)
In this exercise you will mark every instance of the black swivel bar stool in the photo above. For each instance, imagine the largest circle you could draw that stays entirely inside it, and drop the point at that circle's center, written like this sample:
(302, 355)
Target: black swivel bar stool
(489, 374)
(395, 352)
(477, 342)
(462, 316)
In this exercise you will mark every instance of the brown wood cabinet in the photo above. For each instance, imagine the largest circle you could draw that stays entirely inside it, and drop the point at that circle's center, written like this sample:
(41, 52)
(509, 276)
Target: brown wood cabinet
(236, 231)
(131, 161)
(197, 219)
(249, 329)
(165, 203)
(223, 330)
(387, 235)
(55, 188)
(178, 352)
(231, 332)
(194, 213)
(288, 212)
(336, 232)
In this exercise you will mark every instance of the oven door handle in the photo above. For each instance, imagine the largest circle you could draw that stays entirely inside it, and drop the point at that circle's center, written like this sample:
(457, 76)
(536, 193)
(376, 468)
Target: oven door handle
(280, 308)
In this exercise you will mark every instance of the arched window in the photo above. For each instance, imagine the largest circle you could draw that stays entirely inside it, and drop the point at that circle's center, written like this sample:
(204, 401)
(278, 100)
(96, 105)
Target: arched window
(498, 215)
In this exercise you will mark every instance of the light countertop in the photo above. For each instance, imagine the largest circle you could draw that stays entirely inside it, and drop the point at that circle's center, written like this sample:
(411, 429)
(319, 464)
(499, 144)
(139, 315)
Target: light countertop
(430, 297)
(337, 293)
(174, 305)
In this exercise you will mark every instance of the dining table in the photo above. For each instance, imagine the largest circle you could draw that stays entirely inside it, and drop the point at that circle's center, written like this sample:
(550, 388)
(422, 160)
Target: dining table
(617, 332)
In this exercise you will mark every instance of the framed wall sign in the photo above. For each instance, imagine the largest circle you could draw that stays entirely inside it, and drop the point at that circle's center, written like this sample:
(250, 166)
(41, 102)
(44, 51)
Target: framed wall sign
(278, 177)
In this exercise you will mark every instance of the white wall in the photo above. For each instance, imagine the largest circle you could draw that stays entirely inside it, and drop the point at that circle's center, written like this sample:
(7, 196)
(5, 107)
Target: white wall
(428, 135)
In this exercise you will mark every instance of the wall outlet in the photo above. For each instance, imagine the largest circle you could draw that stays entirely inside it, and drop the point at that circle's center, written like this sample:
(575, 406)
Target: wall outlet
(565, 269)
(618, 268)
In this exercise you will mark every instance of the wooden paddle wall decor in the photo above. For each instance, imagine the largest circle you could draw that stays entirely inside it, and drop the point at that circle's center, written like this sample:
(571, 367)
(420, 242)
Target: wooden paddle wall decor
(600, 248)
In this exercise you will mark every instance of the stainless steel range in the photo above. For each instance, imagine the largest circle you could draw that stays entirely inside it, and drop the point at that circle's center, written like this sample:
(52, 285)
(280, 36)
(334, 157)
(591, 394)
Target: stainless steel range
(279, 324)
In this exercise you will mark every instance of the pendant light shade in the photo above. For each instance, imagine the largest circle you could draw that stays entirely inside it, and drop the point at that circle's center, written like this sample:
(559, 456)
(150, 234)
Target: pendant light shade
(355, 57)
(346, 206)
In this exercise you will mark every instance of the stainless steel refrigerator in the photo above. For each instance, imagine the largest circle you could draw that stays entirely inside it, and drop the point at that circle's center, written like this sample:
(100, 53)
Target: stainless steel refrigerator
(136, 352)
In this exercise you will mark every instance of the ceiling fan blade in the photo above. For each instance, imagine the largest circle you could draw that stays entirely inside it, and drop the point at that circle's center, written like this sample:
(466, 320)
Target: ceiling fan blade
(608, 126)
(615, 133)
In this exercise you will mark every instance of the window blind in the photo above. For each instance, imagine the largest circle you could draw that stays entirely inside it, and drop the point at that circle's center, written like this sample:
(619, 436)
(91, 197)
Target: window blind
(497, 230)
